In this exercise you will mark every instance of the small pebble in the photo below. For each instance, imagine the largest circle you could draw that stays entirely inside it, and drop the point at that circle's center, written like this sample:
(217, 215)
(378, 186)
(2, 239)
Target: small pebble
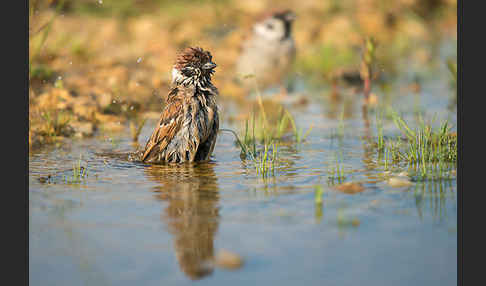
(374, 202)
(350, 188)
(373, 99)
(228, 260)
(398, 182)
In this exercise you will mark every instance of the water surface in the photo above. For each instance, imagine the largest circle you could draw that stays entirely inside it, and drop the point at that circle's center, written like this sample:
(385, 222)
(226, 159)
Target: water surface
(130, 223)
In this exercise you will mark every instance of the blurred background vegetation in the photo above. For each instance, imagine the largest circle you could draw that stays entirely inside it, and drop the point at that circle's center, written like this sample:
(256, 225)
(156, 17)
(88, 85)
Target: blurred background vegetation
(100, 63)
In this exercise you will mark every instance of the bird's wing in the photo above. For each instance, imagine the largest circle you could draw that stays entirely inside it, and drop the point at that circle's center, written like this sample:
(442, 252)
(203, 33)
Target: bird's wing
(169, 124)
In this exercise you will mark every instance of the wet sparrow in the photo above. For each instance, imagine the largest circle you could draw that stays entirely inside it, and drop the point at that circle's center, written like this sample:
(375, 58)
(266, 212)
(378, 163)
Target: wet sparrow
(270, 51)
(188, 126)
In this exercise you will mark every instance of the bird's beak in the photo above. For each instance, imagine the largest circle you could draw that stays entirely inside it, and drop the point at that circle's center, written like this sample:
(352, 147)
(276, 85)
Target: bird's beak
(290, 16)
(210, 65)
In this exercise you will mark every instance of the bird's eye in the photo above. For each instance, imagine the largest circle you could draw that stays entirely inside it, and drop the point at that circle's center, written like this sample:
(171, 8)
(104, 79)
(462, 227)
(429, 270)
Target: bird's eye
(269, 26)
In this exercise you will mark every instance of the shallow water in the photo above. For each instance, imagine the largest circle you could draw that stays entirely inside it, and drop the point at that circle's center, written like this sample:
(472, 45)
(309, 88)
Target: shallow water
(130, 223)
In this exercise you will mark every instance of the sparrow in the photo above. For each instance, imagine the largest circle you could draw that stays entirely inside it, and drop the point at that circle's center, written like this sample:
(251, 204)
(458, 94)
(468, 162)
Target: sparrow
(270, 50)
(188, 126)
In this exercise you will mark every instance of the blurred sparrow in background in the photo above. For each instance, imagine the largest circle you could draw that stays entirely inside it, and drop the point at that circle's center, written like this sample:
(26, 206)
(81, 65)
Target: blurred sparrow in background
(270, 50)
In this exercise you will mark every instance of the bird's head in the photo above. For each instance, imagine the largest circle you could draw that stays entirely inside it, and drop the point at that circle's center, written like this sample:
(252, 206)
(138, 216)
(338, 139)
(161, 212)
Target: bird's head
(276, 25)
(193, 66)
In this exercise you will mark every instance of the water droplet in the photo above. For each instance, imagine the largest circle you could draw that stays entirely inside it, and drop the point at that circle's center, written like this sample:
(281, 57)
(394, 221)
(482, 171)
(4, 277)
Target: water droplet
(139, 60)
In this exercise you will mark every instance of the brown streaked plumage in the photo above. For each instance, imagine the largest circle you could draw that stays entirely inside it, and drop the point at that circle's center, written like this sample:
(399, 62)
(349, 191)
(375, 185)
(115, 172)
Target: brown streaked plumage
(188, 126)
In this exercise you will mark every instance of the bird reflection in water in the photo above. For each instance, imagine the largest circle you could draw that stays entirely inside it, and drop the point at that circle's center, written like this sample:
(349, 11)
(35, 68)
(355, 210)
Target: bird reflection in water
(192, 217)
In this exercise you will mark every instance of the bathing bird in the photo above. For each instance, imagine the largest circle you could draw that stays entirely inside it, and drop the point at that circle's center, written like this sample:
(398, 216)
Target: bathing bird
(189, 123)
